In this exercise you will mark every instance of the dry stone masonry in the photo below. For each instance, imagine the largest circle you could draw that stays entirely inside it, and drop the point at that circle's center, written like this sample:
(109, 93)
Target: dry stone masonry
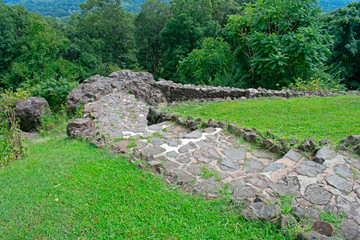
(208, 160)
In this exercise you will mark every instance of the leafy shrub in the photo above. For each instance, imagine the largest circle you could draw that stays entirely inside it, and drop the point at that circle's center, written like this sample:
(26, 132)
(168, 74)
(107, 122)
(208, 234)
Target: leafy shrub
(54, 91)
(12, 143)
(316, 85)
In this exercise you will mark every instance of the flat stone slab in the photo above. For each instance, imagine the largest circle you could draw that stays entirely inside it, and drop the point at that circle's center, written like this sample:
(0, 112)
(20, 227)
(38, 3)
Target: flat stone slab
(251, 166)
(317, 194)
(193, 135)
(228, 165)
(293, 155)
(343, 171)
(273, 167)
(287, 185)
(339, 183)
(310, 169)
(234, 154)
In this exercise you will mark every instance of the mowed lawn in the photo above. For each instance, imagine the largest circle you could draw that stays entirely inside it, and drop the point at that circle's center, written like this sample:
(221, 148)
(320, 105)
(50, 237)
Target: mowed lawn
(66, 189)
(333, 118)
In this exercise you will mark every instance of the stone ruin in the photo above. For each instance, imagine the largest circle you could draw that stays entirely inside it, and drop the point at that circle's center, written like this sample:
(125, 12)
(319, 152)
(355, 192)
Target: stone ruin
(117, 116)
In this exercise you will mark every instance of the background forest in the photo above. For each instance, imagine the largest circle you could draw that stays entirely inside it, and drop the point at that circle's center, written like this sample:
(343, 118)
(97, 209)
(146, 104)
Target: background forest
(272, 44)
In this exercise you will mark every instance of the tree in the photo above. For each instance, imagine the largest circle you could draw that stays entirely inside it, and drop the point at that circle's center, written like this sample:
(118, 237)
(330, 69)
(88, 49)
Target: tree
(344, 26)
(213, 64)
(277, 41)
(38, 56)
(149, 24)
(190, 23)
(102, 35)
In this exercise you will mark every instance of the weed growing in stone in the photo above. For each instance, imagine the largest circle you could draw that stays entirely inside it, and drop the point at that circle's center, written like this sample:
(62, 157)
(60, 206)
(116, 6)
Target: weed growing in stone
(206, 174)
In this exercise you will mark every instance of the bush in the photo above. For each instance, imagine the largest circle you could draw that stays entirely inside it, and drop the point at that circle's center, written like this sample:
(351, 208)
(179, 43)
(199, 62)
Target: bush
(54, 91)
(12, 143)
(316, 85)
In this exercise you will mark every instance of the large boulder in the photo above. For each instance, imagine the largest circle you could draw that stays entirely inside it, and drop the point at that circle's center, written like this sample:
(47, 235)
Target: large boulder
(91, 90)
(30, 112)
(80, 128)
(142, 85)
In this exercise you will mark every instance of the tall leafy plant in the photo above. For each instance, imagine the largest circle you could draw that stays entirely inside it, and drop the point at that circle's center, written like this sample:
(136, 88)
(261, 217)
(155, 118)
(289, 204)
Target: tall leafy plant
(277, 41)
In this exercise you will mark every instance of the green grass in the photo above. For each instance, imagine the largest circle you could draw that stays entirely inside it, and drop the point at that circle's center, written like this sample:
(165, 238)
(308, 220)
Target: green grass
(333, 118)
(67, 189)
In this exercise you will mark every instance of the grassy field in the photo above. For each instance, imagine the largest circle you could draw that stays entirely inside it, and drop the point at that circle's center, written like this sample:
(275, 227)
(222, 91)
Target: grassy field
(333, 118)
(67, 189)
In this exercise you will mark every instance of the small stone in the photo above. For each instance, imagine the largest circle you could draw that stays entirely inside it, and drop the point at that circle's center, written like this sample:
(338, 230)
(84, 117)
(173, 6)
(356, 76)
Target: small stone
(121, 146)
(251, 137)
(285, 221)
(325, 153)
(265, 212)
(273, 166)
(357, 149)
(212, 123)
(313, 236)
(221, 124)
(324, 228)
(193, 135)
(275, 149)
(358, 192)
(266, 143)
(248, 214)
(233, 128)
(307, 146)
(351, 140)
(342, 147)
(228, 165)
(234, 154)
(293, 155)
(323, 142)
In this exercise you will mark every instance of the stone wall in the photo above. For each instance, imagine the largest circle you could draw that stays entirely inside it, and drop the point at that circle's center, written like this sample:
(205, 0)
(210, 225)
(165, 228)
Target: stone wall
(144, 87)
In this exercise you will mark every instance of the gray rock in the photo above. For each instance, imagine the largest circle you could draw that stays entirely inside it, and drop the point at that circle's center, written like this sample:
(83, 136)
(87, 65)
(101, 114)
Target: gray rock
(358, 192)
(343, 170)
(152, 150)
(234, 154)
(173, 142)
(241, 190)
(325, 153)
(307, 146)
(193, 135)
(349, 229)
(266, 143)
(323, 228)
(172, 154)
(157, 141)
(206, 155)
(208, 186)
(317, 195)
(351, 140)
(212, 123)
(357, 149)
(233, 128)
(31, 112)
(77, 127)
(287, 185)
(265, 212)
(273, 166)
(293, 155)
(310, 169)
(259, 181)
(228, 165)
(251, 137)
(313, 236)
(323, 142)
(285, 221)
(339, 183)
(252, 165)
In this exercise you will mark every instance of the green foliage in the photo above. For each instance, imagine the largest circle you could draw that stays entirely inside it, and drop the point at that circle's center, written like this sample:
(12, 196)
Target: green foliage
(206, 174)
(286, 203)
(316, 85)
(209, 65)
(12, 143)
(331, 217)
(344, 26)
(295, 118)
(278, 40)
(54, 91)
(149, 24)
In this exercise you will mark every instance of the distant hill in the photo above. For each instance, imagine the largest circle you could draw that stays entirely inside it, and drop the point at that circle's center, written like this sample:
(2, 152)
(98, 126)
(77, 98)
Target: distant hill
(64, 8)
(332, 5)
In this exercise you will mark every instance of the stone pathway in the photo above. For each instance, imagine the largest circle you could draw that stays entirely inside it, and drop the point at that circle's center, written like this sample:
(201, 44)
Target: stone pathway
(208, 160)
